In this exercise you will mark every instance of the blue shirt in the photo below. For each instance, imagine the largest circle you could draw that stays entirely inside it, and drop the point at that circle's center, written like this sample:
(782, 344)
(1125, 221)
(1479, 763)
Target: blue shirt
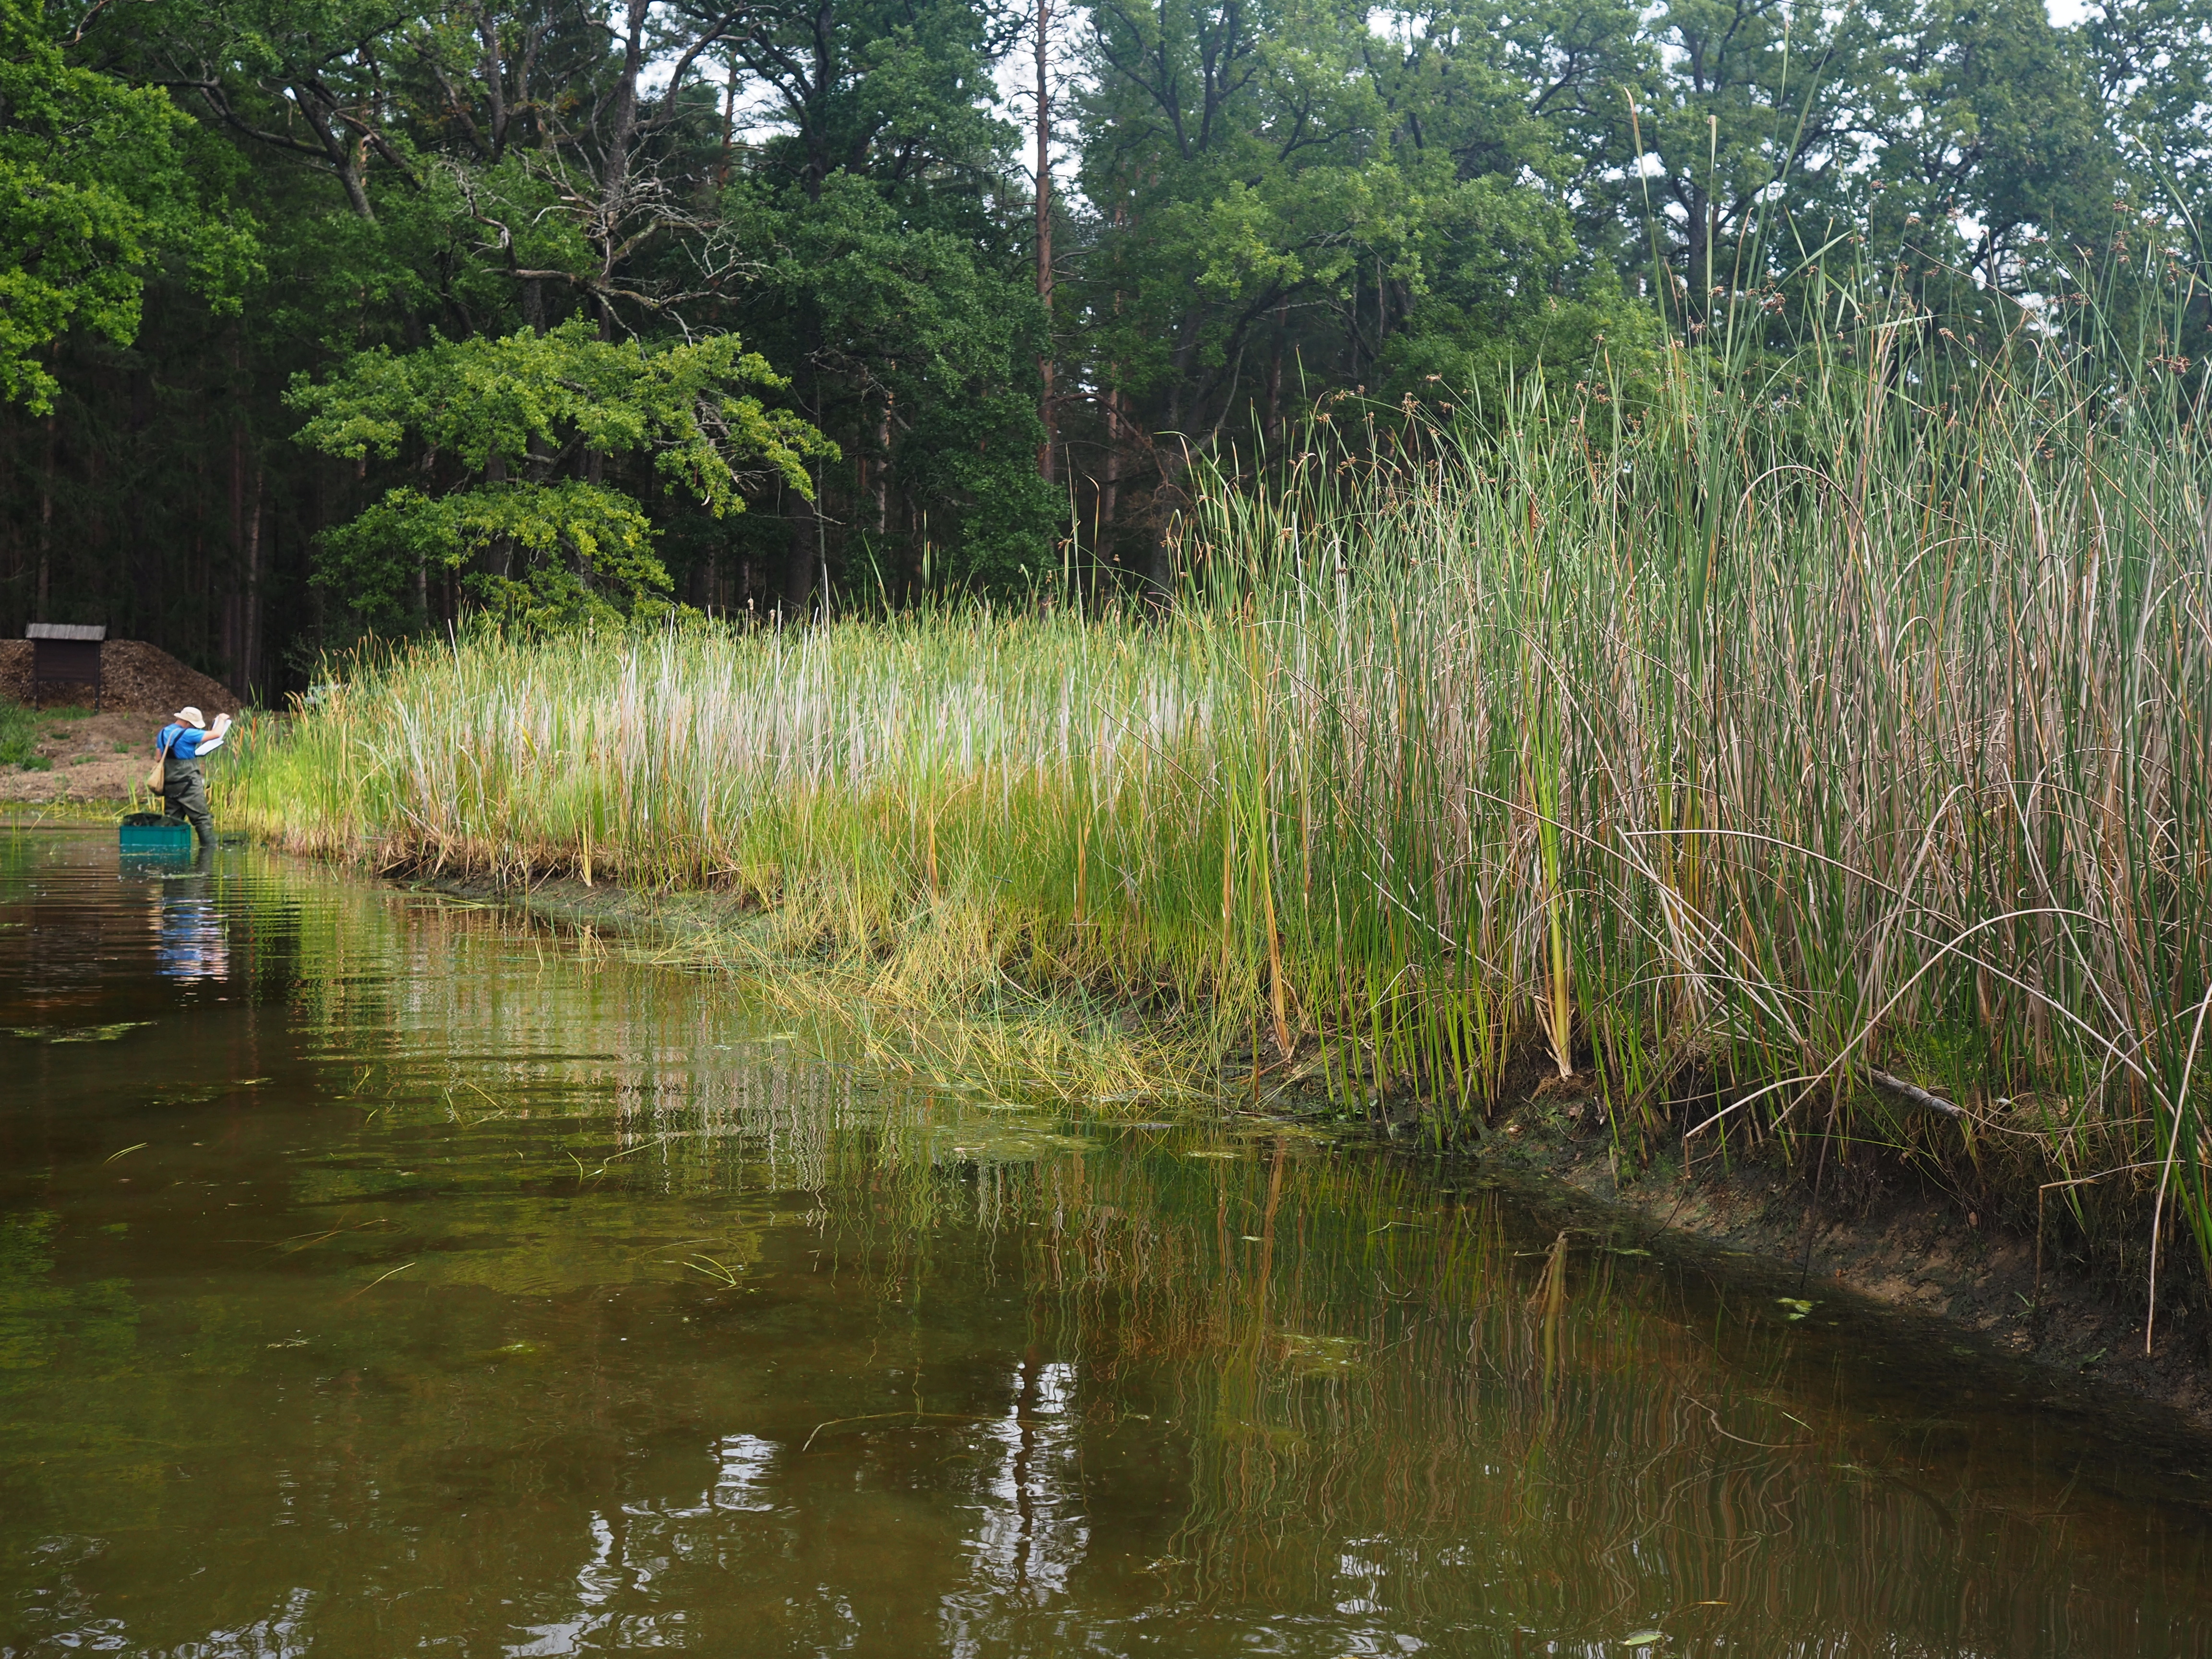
(182, 741)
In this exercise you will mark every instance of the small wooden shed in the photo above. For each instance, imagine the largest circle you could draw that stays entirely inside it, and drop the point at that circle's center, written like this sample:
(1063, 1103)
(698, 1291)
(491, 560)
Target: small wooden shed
(64, 653)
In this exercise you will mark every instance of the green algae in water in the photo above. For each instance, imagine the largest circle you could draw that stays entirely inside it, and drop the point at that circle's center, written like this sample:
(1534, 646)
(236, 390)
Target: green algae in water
(75, 1033)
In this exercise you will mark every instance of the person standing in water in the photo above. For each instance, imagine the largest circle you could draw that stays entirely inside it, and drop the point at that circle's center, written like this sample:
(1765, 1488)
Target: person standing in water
(182, 744)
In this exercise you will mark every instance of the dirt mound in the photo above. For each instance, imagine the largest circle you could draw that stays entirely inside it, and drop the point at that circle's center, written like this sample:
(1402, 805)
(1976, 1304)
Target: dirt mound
(137, 677)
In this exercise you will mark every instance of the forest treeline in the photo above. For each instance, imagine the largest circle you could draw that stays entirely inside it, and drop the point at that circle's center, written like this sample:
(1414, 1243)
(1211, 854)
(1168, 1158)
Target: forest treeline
(321, 317)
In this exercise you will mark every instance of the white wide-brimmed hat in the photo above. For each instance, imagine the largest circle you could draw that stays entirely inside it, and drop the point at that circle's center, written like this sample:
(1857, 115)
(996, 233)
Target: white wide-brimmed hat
(189, 715)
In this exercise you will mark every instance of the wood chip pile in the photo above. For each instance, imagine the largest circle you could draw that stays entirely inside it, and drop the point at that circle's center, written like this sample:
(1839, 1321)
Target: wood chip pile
(139, 677)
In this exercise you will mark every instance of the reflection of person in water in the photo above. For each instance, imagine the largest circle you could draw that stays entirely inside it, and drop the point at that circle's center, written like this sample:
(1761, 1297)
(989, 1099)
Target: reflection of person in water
(182, 744)
(193, 944)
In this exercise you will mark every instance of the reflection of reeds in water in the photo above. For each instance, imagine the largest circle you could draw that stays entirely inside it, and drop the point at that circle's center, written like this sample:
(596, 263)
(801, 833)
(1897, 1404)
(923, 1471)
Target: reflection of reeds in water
(637, 1079)
(1374, 1401)
(1401, 1402)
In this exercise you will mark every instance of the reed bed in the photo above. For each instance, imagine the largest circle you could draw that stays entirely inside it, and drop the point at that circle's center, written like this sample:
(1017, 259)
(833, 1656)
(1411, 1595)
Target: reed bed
(1822, 743)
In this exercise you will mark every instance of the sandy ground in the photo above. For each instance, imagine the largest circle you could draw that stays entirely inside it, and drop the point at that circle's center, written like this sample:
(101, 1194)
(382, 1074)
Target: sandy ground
(96, 758)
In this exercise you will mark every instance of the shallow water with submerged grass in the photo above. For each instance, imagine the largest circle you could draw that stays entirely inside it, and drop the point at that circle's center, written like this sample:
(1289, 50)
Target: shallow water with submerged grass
(378, 1273)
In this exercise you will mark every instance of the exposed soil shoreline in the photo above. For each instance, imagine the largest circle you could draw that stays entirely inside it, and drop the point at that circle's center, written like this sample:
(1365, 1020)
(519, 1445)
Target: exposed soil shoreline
(1907, 1246)
(1923, 1251)
(87, 760)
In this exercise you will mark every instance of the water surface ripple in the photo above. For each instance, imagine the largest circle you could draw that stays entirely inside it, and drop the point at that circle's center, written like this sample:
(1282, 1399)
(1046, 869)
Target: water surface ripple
(380, 1276)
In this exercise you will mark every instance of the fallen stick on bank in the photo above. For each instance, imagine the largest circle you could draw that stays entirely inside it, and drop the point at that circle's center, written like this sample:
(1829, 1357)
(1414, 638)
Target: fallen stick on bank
(1915, 1093)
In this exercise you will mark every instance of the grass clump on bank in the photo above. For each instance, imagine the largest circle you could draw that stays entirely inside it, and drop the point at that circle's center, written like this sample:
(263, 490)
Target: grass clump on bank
(21, 728)
(1835, 724)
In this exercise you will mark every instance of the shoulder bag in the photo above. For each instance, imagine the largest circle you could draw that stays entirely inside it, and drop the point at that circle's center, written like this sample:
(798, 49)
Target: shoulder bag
(160, 775)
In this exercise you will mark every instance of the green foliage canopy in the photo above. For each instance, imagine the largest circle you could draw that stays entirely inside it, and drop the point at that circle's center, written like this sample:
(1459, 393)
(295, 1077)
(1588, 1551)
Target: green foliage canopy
(1258, 209)
(94, 186)
(500, 418)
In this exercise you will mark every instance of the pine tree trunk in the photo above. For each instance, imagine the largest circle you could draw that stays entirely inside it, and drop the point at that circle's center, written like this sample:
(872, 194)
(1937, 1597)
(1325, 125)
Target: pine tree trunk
(255, 547)
(234, 610)
(1274, 417)
(45, 526)
(1047, 415)
(1109, 490)
(799, 571)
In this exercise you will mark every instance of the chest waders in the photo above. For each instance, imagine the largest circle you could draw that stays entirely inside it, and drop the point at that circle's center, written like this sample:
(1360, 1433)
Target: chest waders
(184, 792)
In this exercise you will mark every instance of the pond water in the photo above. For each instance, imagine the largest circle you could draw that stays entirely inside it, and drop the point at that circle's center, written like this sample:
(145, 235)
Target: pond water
(380, 1275)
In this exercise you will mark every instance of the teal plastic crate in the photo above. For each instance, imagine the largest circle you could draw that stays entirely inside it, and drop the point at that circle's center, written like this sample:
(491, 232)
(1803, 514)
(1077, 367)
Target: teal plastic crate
(151, 832)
